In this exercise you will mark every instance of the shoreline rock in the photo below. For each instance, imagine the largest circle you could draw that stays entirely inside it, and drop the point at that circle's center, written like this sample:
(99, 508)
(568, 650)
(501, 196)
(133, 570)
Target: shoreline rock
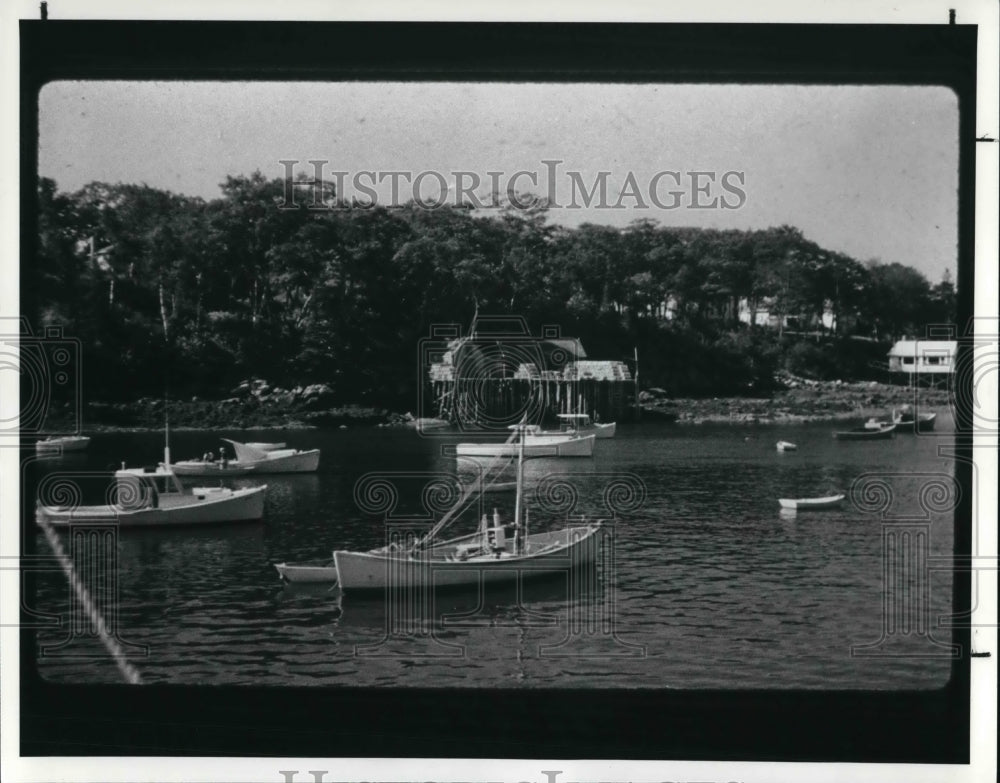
(803, 401)
(260, 407)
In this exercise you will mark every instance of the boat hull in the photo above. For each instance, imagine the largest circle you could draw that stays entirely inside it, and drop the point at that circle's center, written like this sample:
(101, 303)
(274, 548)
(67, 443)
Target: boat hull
(275, 461)
(200, 469)
(811, 504)
(547, 553)
(923, 423)
(202, 507)
(63, 445)
(866, 434)
(307, 573)
(602, 430)
(535, 446)
(296, 462)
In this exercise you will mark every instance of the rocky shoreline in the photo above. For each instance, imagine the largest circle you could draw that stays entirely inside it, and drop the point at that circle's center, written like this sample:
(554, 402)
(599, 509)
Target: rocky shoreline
(801, 401)
(255, 405)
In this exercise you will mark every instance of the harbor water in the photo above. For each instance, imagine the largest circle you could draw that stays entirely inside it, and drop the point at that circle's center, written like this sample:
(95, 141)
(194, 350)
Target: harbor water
(703, 583)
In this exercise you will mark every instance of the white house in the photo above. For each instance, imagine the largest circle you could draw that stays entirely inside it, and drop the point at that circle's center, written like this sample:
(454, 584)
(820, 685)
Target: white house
(923, 357)
(763, 316)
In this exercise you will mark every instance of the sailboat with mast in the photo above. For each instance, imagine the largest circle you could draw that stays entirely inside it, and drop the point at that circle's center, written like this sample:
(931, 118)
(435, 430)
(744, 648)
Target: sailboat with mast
(495, 552)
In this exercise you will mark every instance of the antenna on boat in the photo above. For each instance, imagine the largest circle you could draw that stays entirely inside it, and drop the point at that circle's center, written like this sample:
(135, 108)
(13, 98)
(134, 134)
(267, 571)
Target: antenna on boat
(166, 442)
(520, 478)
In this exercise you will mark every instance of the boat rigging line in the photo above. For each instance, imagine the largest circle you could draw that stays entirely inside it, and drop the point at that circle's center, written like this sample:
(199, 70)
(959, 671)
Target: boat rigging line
(128, 671)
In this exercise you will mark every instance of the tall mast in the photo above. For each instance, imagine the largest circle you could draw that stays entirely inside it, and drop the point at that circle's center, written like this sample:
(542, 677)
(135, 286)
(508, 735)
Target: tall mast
(520, 478)
(166, 442)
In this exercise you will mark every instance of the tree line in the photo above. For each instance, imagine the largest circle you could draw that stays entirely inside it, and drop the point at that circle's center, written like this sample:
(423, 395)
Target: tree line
(165, 288)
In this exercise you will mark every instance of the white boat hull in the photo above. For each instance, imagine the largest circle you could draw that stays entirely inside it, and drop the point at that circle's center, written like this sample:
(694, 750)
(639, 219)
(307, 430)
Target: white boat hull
(210, 469)
(811, 504)
(291, 462)
(276, 461)
(534, 446)
(203, 506)
(452, 565)
(602, 430)
(923, 423)
(52, 445)
(306, 573)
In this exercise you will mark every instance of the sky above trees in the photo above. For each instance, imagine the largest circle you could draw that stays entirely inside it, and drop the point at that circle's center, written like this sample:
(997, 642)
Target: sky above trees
(866, 171)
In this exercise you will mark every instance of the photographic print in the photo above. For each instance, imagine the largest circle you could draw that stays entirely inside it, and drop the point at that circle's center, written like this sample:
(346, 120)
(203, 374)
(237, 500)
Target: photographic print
(692, 293)
(438, 391)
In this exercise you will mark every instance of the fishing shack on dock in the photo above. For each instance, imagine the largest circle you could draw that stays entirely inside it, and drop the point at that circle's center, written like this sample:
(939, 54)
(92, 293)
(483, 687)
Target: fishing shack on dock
(496, 380)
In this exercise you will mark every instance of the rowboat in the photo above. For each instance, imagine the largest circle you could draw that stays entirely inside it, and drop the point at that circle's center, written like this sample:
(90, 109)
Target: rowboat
(811, 504)
(583, 424)
(205, 468)
(146, 497)
(535, 445)
(495, 552)
(784, 445)
(304, 573)
(423, 425)
(907, 422)
(884, 432)
(62, 444)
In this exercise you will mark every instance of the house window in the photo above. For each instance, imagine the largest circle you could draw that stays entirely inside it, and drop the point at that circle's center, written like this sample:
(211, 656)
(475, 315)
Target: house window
(933, 360)
(908, 360)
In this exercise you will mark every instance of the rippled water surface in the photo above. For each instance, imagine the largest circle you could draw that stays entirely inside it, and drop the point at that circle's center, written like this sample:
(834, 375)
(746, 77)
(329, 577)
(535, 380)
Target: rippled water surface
(709, 584)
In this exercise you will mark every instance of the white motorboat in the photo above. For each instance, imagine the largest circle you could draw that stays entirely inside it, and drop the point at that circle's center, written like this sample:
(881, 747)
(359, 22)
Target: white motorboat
(277, 461)
(811, 504)
(784, 445)
(62, 444)
(535, 445)
(154, 496)
(582, 423)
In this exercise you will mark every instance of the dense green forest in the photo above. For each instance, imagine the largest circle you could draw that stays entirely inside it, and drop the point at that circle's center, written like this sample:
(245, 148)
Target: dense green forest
(208, 293)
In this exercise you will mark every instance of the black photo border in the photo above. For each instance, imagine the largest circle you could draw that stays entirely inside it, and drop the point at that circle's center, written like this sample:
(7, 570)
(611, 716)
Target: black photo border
(765, 725)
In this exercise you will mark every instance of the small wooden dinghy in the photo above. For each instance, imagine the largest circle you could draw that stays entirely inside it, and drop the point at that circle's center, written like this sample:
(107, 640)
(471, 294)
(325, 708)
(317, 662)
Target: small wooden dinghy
(883, 432)
(906, 422)
(784, 445)
(307, 573)
(811, 504)
(205, 469)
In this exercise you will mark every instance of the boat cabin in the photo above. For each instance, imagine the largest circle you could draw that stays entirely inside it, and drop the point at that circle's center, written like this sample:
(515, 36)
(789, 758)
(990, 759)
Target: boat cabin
(143, 487)
(568, 422)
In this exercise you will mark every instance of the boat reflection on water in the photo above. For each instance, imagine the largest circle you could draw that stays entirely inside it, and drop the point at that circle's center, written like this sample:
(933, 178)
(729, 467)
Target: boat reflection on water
(536, 601)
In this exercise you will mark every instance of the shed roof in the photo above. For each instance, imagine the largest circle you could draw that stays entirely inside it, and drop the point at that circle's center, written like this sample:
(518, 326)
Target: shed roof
(912, 348)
